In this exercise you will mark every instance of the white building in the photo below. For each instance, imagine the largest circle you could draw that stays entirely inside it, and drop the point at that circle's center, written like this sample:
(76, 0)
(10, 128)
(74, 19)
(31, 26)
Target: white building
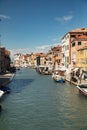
(65, 50)
(17, 60)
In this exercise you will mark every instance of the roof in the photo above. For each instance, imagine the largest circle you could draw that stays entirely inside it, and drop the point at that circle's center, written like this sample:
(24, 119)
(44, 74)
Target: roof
(79, 30)
(57, 48)
(40, 54)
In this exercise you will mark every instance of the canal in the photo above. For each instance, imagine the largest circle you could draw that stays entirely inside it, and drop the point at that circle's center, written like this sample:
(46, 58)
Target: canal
(36, 102)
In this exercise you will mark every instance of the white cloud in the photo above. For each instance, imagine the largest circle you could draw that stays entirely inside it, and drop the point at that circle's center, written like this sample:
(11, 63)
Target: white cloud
(67, 18)
(56, 39)
(64, 18)
(4, 17)
(44, 48)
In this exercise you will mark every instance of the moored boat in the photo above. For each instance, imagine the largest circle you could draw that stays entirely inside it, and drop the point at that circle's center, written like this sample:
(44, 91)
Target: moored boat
(59, 79)
(59, 76)
(45, 70)
(5, 89)
(1, 93)
(82, 89)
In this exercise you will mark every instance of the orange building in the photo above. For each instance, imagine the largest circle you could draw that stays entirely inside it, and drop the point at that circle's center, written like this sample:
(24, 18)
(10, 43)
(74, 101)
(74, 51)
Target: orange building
(78, 40)
(57, 55)
(40, 58)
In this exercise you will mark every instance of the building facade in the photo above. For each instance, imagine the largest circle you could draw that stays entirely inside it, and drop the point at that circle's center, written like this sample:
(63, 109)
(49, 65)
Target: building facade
(65, 50)
(56, 56)
(71, 42)
(4, 60)
(82, 57)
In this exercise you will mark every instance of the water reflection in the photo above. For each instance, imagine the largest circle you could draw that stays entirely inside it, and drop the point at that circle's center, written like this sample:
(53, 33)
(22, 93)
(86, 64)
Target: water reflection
(20, 84)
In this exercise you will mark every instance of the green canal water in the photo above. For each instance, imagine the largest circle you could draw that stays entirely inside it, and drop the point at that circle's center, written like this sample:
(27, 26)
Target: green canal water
(36, 102)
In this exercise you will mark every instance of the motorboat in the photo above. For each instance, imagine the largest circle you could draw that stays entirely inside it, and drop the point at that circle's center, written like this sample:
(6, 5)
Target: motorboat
(5, 89)
(1, 93)
(43, 70)
(59, 79)
(82, 89)
(59, 76)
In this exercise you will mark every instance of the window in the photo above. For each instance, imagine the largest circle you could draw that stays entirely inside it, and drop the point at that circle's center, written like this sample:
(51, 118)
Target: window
(79, 35)
(73, 44)
(86, 61)
(73, 36)
(58, 61)
(49, 59)
(81, 52)
(66, 59)
(63, 55)
(79, 43)
(67, 47)
(82, 61)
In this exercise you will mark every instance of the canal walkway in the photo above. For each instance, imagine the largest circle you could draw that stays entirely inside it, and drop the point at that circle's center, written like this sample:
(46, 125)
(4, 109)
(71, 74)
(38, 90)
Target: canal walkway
(76, 83)
(83, 81)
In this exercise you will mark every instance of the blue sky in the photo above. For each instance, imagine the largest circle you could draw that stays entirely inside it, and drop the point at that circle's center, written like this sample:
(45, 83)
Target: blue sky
(39, 23)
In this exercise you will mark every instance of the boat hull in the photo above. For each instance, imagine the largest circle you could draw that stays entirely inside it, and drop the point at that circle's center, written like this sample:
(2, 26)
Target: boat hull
(82, 89)
(83, 93)
(5, 89)
(59, 80)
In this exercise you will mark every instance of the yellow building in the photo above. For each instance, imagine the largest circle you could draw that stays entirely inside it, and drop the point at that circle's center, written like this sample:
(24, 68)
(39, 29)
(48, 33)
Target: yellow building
(82, 57)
